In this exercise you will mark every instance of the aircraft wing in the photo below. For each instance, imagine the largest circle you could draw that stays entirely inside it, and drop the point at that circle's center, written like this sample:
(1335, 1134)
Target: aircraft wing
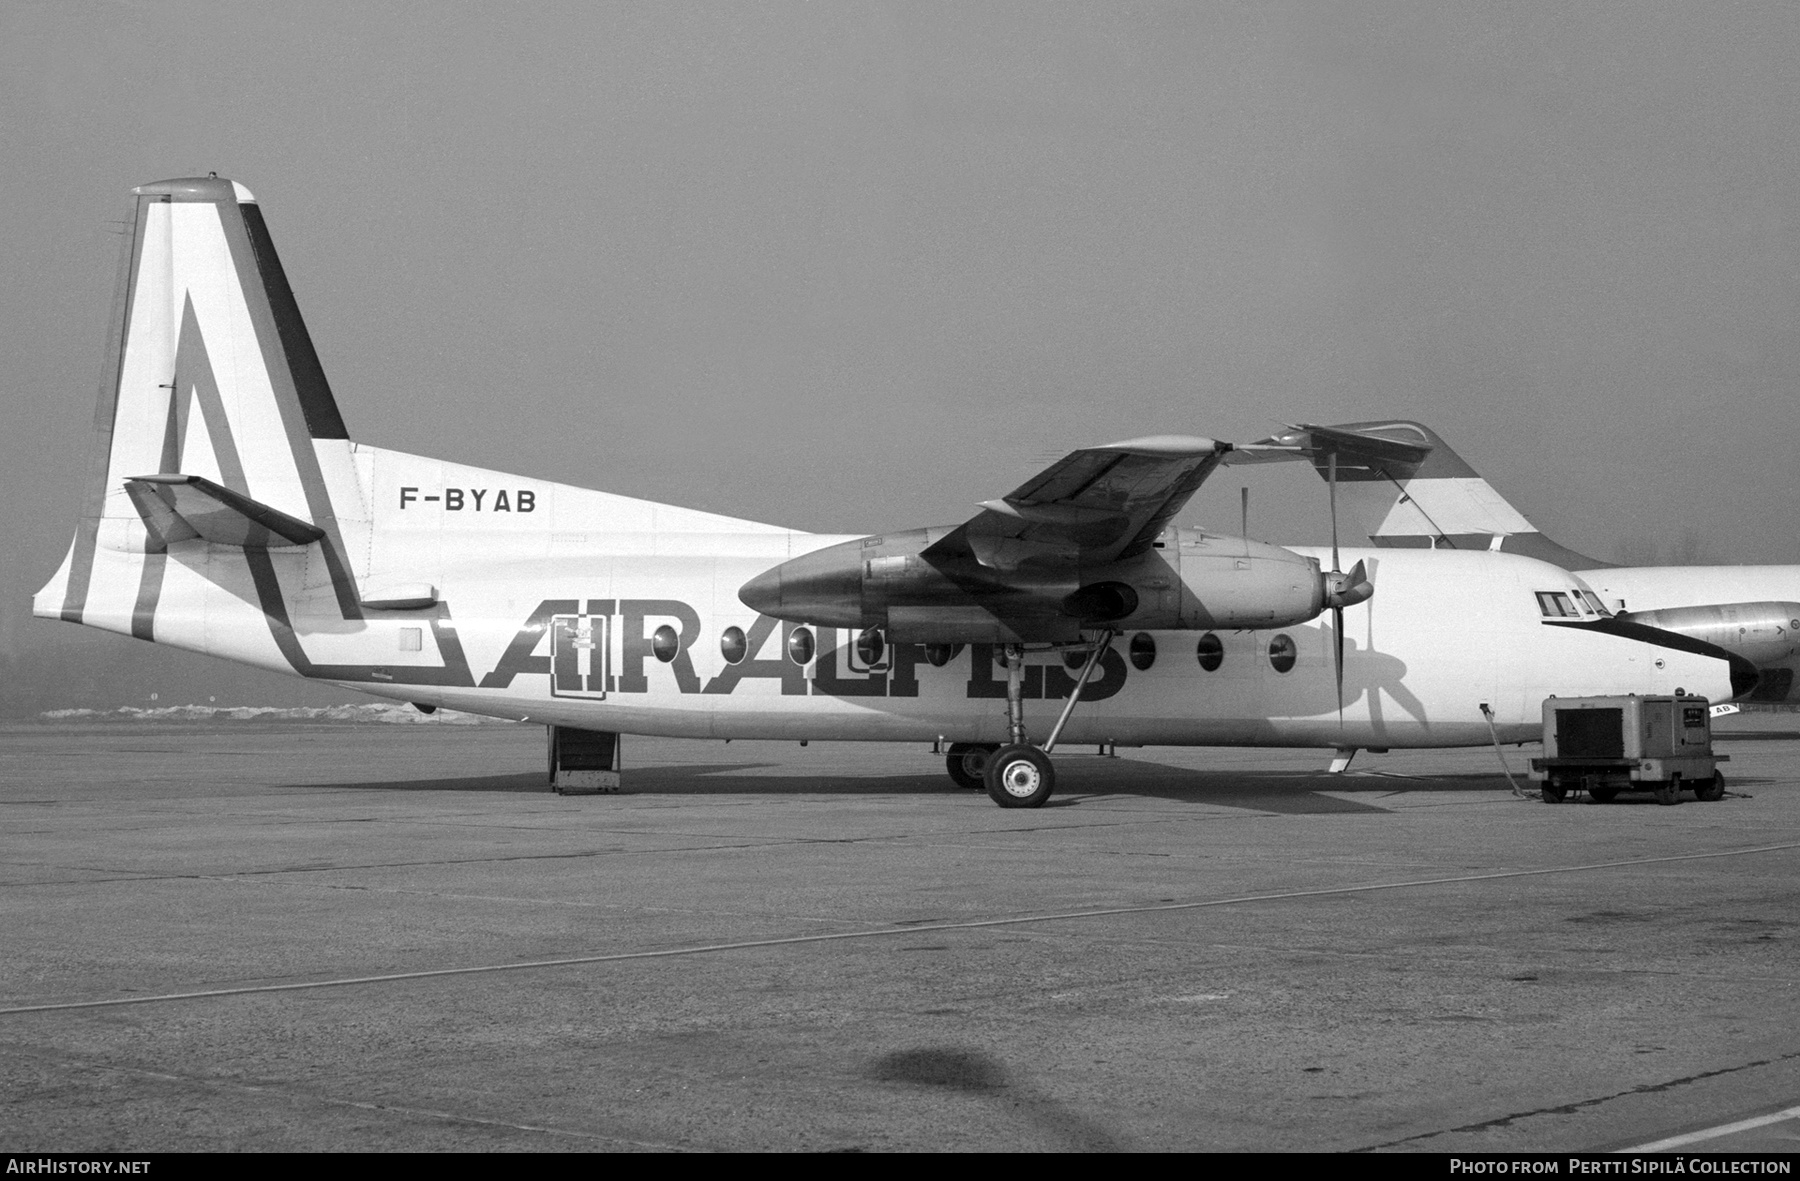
(1364, 451)
(1093, 506)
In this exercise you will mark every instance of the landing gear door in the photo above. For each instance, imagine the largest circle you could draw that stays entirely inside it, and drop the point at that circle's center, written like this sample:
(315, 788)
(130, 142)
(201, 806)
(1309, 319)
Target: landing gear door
(578, 648)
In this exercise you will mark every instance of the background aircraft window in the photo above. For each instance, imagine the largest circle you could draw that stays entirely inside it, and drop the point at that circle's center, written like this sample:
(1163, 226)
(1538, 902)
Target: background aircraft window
(1282, 653)
(1143, 651)
(1211, 651)
(1555, 604)
(800, 645)
(664, 643)
(733, 645)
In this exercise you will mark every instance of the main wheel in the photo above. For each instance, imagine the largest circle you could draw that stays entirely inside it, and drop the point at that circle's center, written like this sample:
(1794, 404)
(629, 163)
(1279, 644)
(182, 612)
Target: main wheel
(1711, 789)
(1020, 777)
(967, 763)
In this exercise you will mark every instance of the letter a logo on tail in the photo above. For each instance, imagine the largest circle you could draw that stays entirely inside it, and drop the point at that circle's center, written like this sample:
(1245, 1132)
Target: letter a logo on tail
(211, 376)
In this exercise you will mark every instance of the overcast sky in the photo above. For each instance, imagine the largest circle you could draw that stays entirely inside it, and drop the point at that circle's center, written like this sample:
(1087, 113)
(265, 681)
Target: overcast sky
(855, 267)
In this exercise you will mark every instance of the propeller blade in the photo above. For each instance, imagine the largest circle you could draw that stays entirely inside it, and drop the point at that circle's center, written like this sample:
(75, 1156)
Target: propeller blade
(1331, 482)
(1337, 620)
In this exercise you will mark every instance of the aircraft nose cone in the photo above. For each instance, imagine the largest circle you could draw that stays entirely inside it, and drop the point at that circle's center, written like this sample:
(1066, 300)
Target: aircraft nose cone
(762, 594)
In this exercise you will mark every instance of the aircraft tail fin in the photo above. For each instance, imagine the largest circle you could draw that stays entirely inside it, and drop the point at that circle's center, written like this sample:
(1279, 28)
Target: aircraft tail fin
(1419, 494)
(210, 373)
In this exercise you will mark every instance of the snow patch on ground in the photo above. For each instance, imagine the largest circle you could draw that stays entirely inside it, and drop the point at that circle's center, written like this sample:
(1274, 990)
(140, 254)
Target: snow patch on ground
(382, 713)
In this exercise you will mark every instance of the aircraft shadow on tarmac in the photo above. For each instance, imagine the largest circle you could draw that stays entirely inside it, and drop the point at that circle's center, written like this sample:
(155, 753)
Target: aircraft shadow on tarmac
(1082, 781)
(983, 1078)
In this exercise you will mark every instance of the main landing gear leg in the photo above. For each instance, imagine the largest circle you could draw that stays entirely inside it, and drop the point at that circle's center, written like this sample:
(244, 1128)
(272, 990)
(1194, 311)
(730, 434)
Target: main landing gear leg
(1020, 775)
(1015, 694)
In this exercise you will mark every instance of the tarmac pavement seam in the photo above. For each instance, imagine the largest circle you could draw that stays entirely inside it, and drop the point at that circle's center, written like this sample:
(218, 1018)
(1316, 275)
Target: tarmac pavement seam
(1714, 1133)
(882, 932)
(1582, 1104)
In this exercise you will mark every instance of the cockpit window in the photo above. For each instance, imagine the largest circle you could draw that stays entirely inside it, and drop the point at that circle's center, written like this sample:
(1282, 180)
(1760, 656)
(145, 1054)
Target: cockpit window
(1556, 605)
(1593, 600)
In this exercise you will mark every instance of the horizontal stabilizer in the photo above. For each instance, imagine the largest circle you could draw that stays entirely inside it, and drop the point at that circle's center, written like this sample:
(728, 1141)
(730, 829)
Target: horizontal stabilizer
(182, 508)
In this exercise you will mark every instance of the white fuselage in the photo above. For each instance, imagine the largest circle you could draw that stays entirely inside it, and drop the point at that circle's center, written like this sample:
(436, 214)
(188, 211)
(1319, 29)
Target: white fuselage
(1655, 588)
(1445, 633)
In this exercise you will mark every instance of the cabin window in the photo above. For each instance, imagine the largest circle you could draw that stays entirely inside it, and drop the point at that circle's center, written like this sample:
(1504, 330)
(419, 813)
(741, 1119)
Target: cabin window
(938, 655)
(1211, 651)
(870, 645)
(733, 646)
(664, 643)
(1143, 651)
(800, 645)
(1556, 605)
(1282, 653)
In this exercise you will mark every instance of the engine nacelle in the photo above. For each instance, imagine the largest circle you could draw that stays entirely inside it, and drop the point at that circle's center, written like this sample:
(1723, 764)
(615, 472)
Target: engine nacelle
(1190, 580)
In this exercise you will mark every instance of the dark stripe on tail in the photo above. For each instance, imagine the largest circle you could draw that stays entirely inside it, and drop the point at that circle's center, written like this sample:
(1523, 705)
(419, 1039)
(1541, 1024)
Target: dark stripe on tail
(454, 672)
(322, 418)
(278, 326)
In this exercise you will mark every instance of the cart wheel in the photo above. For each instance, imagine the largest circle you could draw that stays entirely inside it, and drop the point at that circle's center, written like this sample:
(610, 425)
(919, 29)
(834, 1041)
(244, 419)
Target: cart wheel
(1603, 795)
(1668, 792)
(1554, 792)
(1711, 789)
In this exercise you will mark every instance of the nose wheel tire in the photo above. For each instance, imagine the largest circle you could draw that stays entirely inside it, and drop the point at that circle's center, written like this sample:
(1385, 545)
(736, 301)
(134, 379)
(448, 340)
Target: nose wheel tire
(967, 763)
(1020, 777)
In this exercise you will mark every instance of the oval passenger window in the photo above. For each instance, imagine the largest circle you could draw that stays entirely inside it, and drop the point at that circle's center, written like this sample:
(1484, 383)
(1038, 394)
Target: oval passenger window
(1143, 651)
(1282, 653)
(938, 655)
(1211, 651)
(800, 645)
(664, 643)
(733, 646)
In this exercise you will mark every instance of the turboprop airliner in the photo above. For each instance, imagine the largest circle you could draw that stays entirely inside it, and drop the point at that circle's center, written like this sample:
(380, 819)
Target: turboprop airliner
(1408, 489)
(229, 512)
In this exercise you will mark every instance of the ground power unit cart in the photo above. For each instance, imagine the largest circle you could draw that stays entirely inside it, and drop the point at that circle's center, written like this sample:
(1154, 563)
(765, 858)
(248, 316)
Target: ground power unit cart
(1606, 745)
